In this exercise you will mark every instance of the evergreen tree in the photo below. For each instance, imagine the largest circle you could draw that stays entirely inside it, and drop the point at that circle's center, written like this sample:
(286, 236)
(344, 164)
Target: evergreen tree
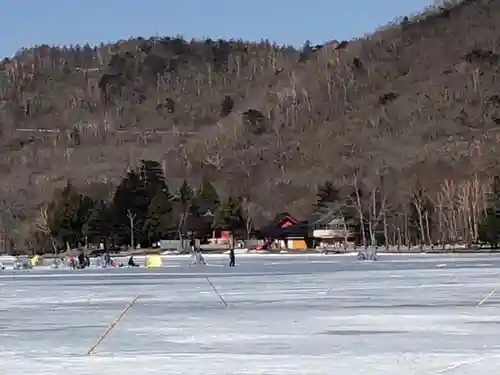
(131, 195)
(489, 227)
(98, 227)
(186, 193)
(66, 215)
(151, 174)
(192, 205)
(159, 218)
(327, 193)
(85, 209)
(494, 198)
(185, 201)
(229, 216)
(207, 195)
(136, 194)
(67, 207)
(226, 106)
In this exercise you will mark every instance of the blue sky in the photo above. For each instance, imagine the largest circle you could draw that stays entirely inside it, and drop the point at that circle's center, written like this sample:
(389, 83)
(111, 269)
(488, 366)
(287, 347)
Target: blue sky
(31, 22)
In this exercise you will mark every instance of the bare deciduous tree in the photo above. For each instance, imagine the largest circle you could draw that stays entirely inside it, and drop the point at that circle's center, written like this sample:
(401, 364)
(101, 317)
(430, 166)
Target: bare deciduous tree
(43, 224)
(131, 218)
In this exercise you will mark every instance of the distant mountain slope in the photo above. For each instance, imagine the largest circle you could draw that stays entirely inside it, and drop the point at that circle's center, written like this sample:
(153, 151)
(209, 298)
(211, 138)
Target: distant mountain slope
(419, 91)
(419, 98)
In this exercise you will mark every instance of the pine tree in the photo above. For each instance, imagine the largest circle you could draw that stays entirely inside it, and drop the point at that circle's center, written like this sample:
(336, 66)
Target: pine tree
(131, 195)
(152, 177)
(327, 193)
(98, 227)
(226, 106)
(494, 198)
(489, 227)
(85, 209)
(159, 218)
(207, 195)
(142, 192)
(66, 215)
(185, 203)
(229, 215)
(186, 193)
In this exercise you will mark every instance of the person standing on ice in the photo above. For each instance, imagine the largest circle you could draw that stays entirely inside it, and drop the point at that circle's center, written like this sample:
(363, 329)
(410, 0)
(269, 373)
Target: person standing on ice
(232, 258)
(197, 258)
(82, 262)
(107, 260)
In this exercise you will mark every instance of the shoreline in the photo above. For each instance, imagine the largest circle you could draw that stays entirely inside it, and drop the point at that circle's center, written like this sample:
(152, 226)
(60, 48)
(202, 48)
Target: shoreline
(284, 253)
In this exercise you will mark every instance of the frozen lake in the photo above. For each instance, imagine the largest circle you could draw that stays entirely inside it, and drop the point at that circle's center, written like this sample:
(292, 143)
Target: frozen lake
(402, 315)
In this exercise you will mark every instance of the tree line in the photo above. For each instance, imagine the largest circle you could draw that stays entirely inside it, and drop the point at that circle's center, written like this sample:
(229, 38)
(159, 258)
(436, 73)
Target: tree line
(142, 211)
(384, 212)
(268, 125)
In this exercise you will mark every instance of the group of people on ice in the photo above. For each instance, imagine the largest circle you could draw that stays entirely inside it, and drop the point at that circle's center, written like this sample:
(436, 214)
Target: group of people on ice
(105, 261)
(82, 261)
(198, 259)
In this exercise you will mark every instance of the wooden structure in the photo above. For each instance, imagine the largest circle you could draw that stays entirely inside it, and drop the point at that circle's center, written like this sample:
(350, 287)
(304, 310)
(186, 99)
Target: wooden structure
(284, 231)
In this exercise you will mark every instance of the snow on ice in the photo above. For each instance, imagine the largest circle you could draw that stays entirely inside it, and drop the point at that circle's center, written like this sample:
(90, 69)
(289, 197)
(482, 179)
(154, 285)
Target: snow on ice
(286, 315)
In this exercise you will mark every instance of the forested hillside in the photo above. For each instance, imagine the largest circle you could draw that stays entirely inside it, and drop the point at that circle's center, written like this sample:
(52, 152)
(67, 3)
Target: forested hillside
(403, 123)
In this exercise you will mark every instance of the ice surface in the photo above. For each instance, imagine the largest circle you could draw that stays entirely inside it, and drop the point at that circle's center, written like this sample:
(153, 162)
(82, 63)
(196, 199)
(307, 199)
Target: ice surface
(401, 315)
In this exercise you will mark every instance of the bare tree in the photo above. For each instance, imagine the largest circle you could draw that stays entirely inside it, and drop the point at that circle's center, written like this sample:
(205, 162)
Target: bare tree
(249, 210)
(131, 218)
(419, 200)
(359, 208)
(43, 224)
